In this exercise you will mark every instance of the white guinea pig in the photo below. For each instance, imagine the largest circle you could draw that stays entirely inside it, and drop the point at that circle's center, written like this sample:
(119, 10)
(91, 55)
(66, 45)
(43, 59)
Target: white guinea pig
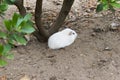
(62, 39)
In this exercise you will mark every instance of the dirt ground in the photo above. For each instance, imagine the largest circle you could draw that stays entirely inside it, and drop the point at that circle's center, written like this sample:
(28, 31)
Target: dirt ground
(95, 55)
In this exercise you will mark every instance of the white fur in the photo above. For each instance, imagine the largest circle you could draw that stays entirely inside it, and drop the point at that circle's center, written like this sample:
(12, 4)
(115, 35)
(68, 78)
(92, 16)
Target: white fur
(62, 39)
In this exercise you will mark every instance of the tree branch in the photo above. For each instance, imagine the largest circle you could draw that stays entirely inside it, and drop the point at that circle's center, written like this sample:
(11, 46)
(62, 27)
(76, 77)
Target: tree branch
(38, 12)
(67, 4)
(20, 6)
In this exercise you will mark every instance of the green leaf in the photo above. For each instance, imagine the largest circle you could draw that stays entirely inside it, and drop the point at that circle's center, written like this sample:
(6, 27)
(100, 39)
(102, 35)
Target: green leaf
(11, 39)
(15, 19)
(10, 56)
(105, 7)
(3, 63)
(20, 39)
(10, 1)
(99, 7)
(20, 20)
(7, 48)
(27, 17)
(104, 1)
(8, 25)
(116, 5)
(3, 35)
(3, 7)
(112, 0)
(1, 49)
(27, 28)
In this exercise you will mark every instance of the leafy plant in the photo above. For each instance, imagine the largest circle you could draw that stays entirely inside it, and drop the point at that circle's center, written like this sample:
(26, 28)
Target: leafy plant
(16, 28)
(5, 52)
(108, 5)
(3, 7)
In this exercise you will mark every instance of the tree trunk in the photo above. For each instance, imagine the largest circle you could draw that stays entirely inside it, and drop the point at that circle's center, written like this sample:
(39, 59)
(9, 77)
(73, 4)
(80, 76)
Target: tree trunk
(20, 6)
(42, 31)
(39, 37)
(67, 4)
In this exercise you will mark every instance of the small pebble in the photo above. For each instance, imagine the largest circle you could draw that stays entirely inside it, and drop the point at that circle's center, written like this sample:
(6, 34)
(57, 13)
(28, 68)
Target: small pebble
(114, 26)
(93, 34)
(98, 15)
(107, 48)
(25, 78)
(66, 67)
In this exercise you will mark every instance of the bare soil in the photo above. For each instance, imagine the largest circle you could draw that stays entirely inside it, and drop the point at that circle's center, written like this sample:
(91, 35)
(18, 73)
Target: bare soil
(95, 55)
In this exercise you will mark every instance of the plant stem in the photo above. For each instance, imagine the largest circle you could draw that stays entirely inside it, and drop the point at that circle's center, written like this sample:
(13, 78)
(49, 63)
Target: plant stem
(38, 12)
(67, 4)
(20, 6)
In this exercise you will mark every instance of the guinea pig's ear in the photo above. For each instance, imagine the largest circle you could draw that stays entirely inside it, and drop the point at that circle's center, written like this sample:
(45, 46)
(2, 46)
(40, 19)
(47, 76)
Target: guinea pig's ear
(70, 33)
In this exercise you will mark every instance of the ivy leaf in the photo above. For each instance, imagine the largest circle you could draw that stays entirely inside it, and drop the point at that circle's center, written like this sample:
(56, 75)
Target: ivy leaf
(2, 63)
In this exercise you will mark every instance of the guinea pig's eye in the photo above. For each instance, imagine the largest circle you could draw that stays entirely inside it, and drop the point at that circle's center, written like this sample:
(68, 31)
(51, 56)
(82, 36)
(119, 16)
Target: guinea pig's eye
(71, 33)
